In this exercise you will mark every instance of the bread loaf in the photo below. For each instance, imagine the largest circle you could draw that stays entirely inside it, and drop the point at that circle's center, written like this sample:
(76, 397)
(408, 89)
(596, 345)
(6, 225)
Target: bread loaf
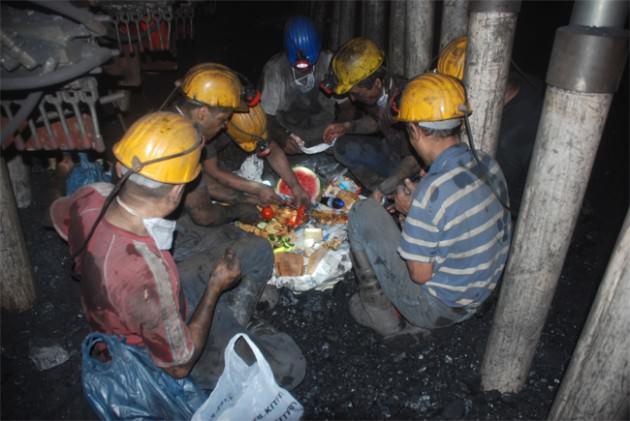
(289, 264)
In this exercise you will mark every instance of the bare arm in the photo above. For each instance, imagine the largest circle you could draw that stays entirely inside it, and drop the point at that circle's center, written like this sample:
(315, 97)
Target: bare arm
(256, 193)
(280, 164)
(419, 272)
(202, 212)
(223, 277)
(212, 168)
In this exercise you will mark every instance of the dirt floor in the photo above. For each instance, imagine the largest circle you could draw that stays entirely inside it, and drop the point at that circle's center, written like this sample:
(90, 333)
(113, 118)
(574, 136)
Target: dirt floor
(352, 373)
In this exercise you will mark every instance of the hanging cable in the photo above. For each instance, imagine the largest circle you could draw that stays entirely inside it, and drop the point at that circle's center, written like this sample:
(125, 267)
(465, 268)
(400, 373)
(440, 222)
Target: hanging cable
(137, 167)
(482, 165)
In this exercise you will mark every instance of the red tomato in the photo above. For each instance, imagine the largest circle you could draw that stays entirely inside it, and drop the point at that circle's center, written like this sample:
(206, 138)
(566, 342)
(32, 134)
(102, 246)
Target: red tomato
(267, 213)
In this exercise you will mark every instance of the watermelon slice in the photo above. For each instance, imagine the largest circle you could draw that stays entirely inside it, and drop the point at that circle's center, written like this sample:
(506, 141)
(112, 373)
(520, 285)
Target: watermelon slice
(307, 179)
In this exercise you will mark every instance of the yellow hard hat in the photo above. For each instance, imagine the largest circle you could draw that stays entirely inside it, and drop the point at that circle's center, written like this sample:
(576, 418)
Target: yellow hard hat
(248, 129)
(356, 60)
(433, 100)
(453, 58)
(159, 136)
(214, 85)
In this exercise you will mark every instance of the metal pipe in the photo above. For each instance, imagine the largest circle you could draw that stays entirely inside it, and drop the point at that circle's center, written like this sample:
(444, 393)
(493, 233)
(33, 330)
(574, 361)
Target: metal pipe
(557, 179)
(373, 22)
(11, 47)
(28, 105)
(80, 15)
(454, 21)
(595, 385)
(98, 57)
(418, 36)
(490, 36)
(396, 55)
(602, 13)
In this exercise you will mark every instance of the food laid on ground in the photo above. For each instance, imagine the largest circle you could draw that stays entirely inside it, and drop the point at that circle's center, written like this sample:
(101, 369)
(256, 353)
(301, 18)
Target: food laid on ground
(348, 198)
(267, 213)
(307, 179)
(289, 264)
(329, 217)
(314, 260)
(310, 245)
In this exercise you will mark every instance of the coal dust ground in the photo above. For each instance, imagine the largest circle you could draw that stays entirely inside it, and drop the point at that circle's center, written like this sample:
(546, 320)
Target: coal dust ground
(352, 373)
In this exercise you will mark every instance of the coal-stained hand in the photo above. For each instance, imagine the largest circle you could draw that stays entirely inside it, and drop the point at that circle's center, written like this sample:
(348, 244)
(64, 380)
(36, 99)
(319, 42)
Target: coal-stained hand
(292, 143)
(404, 196)
(266, 196)
(334, 131)
(300, 197)
(226, 273)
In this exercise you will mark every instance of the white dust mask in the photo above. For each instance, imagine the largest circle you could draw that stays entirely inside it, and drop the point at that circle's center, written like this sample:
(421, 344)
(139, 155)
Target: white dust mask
(160, 230)
(305, 83)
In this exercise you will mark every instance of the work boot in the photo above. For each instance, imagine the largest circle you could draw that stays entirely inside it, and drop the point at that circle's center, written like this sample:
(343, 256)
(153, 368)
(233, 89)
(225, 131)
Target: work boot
(282, 353)
(370, 307)
(269, 298)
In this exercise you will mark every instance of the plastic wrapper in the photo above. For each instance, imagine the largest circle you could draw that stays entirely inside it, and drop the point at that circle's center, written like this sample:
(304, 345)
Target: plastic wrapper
(329, 270)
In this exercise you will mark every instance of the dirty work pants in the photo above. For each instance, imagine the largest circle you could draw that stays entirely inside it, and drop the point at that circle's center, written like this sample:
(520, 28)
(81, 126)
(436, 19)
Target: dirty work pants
(372, 229)
(368, 158)
(197, 251)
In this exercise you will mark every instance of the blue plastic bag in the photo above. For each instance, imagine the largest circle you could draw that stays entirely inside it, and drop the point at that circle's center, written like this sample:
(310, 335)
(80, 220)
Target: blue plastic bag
(130, 386)
(85, 173)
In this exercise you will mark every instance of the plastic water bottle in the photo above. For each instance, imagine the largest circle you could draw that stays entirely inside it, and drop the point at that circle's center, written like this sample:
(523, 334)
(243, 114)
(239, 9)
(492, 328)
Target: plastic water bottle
(332, 202)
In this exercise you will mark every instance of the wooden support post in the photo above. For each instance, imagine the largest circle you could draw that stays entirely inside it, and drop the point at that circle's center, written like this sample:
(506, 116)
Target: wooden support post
(584, 72)
(347, 18)
(597, 383)
(374, 21)
(16, 276)
(334, 26)
(418, 36)
(396, 56)
(20, 175)
(490, 36)
(318, 14)
(454, 21)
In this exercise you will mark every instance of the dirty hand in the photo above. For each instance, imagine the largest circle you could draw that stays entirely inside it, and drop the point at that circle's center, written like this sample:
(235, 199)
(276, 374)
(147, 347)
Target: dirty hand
(378, 196)
(335, 131)
(226, 272)
(247, 213)
(292, 144)
(266, 195)
(404, 196)
(300, 197)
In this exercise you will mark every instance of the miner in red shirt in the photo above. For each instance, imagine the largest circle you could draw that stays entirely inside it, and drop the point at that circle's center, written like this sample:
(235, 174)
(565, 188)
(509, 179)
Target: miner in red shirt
(130, 284)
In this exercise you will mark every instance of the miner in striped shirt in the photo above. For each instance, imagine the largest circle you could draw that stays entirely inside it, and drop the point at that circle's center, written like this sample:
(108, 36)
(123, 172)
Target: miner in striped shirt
(456, 234)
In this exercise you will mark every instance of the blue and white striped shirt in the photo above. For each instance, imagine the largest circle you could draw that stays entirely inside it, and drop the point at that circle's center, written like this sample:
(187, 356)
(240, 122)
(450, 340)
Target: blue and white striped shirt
(457, 223)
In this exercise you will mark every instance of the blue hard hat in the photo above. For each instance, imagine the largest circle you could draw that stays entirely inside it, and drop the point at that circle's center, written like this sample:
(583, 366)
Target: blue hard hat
(301, 40)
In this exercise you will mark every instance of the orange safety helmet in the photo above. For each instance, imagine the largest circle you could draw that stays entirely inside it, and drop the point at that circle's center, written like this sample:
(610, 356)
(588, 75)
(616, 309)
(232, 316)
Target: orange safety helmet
(452, 60)
(165, 136)
(249, 130)
(214, 85)
(433, 100)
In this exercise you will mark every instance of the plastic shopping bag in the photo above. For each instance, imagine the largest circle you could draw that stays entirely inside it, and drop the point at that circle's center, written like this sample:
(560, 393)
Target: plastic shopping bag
(248, 392)
(130, 386)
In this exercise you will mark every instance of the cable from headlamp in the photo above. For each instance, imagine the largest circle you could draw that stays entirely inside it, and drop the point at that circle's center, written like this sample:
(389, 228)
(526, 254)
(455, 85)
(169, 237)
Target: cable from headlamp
(481, 164)
(137, 167)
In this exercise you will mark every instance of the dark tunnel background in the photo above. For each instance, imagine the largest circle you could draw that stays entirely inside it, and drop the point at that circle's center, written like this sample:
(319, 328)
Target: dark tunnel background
(352, 374)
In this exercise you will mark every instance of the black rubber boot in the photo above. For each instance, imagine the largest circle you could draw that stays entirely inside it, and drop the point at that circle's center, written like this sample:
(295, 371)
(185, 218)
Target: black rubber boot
(370, 307)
